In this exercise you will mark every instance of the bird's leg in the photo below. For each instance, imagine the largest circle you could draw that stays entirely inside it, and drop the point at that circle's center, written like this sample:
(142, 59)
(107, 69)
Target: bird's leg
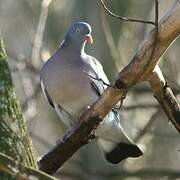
(98, 79)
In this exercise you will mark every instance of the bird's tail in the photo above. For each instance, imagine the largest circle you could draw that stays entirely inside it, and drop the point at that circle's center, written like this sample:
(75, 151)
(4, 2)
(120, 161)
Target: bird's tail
(113, 142)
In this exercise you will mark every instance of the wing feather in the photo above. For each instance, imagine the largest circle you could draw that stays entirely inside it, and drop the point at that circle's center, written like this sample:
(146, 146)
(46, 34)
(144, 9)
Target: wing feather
(97, 77)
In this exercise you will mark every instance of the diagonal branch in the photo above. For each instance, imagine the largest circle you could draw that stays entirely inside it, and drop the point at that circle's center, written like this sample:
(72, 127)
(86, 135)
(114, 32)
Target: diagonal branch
(165, 97)
(169, 30)
(16, 170)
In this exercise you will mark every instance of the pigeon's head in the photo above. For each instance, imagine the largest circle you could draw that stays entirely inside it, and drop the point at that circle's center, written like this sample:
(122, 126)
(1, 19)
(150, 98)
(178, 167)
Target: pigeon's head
(79, 33)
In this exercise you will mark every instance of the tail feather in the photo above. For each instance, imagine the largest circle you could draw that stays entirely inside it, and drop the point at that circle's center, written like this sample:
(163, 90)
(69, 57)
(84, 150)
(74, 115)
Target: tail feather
(113, 141)
(121, 152)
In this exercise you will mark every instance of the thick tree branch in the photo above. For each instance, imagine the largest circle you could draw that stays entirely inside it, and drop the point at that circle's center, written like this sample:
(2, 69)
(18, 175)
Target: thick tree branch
(136, 71)
(71, 142)
(169, 30)
(165, 97)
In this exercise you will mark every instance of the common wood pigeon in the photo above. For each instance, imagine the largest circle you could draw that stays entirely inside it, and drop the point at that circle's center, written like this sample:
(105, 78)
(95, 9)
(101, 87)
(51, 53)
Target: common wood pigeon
(69, 80)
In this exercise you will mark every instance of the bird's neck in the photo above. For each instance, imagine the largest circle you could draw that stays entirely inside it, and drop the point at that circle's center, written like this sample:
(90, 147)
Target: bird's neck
(78, 48)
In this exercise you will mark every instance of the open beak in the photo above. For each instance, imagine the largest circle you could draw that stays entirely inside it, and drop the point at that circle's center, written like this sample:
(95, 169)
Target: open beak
(88, 38)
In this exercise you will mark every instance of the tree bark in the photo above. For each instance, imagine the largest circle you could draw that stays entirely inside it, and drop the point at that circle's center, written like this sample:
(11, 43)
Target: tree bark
(17, 159)
(14, 138)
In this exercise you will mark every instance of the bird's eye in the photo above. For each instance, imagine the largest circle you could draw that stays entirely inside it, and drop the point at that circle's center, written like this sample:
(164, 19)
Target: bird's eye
(77, 30)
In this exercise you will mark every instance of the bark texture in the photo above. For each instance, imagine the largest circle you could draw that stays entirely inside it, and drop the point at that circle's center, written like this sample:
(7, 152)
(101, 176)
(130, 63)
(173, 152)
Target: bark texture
(14, 138)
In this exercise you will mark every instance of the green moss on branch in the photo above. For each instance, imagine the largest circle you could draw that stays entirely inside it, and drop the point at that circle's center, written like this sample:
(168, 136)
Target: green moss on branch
(14, 139)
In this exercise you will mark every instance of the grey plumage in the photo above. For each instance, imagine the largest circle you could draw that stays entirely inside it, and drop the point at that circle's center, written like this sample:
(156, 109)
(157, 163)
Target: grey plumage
(69, 81)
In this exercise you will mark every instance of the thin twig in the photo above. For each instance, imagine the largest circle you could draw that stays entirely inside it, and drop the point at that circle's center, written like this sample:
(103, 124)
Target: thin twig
(156, 14)
(156, 29)
(118, 105)
(40, 32)
(124, 18)
(98, 79)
